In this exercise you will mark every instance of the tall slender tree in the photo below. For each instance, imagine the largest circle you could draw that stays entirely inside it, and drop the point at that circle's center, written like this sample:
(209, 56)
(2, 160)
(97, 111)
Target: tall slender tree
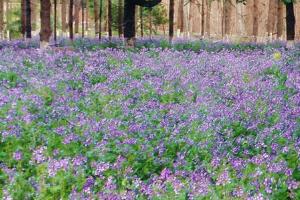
(23, 17)
(180, 17)
(55, 20)
(100, 19)
(109, 13)
(63, 15)
(202, 18)
(82, 18)
(96, 15)
(227, 16)
(45, 14)
(208, 9)
(171, 20)
(290, 20)
(129, 17)
(76, 15)
(28, 19)
(120, 18)
(280, 19)
(142, 20)
(255, 20)
(272, 13)
(71, 19)
(1, 18)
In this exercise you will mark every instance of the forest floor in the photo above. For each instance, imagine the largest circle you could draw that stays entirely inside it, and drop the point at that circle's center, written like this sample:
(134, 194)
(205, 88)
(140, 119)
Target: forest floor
(149, 123)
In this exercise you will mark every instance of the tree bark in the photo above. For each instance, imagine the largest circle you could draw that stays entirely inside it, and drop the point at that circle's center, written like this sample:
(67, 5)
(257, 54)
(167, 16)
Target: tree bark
(227, 16)
(290, 21)
(202, 18)
(271, 18)
(109, 19)
(45, 14)
(76, 15)
(96, 15)
(255, 19)
(180, 21)
(63, 15)
(55, 20)
(171, 21)
(100, 19)
(280, 20)
(208, 3)
(71, 19)
(1, 18)
(87, 7)
(82, 18)
(23, 17)
(120, 18)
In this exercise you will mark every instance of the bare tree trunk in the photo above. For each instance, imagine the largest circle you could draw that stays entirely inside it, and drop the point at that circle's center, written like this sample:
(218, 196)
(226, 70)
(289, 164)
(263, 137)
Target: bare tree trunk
(290, 21)
(96, 15)
(208, 3)
(171, 21)
(227, 16)
(63, 15)
(71, 19)
(76, 15)
(82, 18)
(23, 17)
(109, 19)
(87, 7)
(28, 19)
(180, 21)
(120, 18)
(255, 19)
(45, 23)
(142, 21)
(271, 18)
(1, 18)
(55, 20)
(100, 19)
(280, 20)
(202, 18)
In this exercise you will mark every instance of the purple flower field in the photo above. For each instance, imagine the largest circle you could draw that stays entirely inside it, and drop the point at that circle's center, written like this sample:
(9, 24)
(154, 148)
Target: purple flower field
(149, 124)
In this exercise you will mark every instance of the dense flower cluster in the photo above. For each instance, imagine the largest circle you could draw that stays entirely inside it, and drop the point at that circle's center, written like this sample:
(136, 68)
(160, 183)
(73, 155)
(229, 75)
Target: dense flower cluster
(149, 124)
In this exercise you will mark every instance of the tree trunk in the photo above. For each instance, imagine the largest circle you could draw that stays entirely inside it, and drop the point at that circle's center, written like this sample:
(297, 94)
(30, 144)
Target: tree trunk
(150, 22)
(290, 21)
(87, 7)
(76, 15)
(23, 17)
(142, 21)
(271, 18)
(1, 18)
(202, 18)
(180, 21)
(171, 21)
(45, 14)
(120, 18)
(227, 16)
(109, 19)
(55, 20)
(71, 19)
(208, 3)
(100, 19)
(280, 20)
(63, 15)
(82, 18)
(96, 15)
(255, 19)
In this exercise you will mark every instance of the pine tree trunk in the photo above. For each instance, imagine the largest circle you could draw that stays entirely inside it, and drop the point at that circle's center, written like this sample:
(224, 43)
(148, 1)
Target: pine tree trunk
(290, 21)
(76, 15)
(255, 19)
(28, 19)
(71, 19)
(63, 15)
(109, 19)
(96, 15)
(120, 18)
(1, 18)
(280, 20)
(171, 21)
(23, 17)
(45, 14)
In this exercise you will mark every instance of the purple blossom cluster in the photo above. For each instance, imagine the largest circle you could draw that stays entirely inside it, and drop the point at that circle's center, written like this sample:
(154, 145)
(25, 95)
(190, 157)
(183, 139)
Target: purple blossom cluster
(146, 124)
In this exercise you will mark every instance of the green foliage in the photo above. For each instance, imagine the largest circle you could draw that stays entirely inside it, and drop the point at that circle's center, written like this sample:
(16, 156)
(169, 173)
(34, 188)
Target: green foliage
(10, 77)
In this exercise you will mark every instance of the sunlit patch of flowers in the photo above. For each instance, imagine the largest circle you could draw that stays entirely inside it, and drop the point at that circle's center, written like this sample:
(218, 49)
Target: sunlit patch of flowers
(149, 124)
